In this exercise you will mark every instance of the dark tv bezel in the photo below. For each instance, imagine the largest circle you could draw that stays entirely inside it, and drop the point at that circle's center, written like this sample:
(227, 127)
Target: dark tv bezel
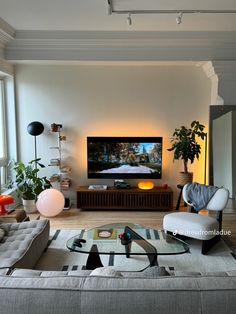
(116, 139)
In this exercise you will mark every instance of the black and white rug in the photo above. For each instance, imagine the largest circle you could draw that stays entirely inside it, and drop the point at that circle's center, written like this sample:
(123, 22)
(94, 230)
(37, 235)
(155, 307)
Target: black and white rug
(58, 257)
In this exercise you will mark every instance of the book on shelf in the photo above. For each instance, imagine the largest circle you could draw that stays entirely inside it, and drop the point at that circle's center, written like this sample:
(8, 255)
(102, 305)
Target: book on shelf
(98, 187)
(105, 234)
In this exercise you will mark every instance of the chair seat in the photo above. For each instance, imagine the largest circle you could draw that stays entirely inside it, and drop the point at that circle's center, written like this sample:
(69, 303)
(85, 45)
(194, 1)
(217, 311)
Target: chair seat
(191, 225)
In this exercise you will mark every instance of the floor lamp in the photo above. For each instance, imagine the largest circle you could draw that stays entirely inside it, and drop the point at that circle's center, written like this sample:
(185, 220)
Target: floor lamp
(35, 128)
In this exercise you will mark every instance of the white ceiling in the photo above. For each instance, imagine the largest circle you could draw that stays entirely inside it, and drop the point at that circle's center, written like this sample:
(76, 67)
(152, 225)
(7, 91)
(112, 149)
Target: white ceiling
(82, 30)
(93, 15)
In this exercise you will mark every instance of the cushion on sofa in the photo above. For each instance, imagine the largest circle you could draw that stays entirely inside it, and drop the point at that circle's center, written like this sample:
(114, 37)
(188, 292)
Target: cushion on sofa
(24, 243)
(106, 271)
(152, 272)
(19, 272)
(2, 233)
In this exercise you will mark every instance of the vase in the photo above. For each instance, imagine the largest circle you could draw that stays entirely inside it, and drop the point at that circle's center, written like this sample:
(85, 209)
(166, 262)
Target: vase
(29, 206)
(185, 178)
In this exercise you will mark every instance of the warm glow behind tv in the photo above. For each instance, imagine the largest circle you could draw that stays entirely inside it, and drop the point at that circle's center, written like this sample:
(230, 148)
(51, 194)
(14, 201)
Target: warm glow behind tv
(124, 157)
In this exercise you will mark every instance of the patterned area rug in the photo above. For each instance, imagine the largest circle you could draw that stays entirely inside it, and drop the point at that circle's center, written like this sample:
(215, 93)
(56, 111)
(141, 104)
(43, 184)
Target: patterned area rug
(58, 257)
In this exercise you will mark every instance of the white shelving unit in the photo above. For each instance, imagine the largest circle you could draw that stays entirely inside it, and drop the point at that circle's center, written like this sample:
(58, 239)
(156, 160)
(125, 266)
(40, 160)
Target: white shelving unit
(62, 176)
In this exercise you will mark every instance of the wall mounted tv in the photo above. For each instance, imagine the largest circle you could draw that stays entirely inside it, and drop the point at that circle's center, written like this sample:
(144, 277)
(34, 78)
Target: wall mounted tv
(124, 157)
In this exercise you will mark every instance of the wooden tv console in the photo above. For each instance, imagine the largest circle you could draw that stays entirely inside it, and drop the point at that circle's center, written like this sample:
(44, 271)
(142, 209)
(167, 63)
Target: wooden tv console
(133, 198)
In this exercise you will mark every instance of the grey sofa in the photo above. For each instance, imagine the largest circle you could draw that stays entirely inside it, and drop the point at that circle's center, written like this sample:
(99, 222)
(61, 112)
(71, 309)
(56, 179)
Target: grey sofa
(34, 292)
(26, 291)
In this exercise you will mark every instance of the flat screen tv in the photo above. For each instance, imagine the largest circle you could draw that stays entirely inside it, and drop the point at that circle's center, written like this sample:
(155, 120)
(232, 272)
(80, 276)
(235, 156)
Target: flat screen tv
(124, 157)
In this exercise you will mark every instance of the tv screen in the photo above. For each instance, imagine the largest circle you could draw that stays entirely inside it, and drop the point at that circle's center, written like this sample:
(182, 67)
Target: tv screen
(124, 157)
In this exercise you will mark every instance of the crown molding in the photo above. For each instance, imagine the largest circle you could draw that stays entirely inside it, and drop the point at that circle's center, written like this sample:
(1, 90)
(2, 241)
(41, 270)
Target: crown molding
(6, 68)
(120, 46)
(223, 77)
(7, 32)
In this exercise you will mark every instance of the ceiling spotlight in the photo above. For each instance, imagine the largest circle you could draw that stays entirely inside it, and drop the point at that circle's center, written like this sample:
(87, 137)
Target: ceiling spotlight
(179, 18)
(129, 20)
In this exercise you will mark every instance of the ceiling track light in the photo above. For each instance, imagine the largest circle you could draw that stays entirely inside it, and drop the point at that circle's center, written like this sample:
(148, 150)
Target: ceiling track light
(179, 18)
(180, 13)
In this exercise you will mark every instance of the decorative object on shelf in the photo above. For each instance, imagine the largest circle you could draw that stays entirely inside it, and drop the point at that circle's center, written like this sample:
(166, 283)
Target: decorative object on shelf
(145, 185)
(185, 147)
(50, 202)
(35, 128)
(164, 185)
(5, 200)
(29, 184)
(121, 184)
(97, 187)
(55, 127)
(65, 184)
(125, 238)
(63, 170)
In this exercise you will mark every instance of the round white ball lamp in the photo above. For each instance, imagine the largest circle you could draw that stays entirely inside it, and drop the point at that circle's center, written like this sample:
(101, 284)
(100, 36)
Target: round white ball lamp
(50, 202)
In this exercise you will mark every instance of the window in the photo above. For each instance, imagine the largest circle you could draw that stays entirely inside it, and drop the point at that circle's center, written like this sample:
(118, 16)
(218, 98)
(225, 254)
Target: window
(3, 145)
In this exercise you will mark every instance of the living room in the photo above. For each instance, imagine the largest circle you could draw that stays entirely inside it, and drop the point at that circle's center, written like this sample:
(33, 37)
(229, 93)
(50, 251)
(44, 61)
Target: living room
(99, 76)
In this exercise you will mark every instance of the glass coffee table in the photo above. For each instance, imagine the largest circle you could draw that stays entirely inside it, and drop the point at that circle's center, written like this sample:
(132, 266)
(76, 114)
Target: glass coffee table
(125, 239)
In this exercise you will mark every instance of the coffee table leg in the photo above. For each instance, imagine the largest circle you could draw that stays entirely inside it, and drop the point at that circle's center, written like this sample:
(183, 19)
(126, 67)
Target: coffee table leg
(93, 260)
(148, 247)
(128, 249)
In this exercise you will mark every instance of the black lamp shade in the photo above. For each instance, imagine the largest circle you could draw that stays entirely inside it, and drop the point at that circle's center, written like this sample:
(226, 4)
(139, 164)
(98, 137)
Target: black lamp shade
(35, 128)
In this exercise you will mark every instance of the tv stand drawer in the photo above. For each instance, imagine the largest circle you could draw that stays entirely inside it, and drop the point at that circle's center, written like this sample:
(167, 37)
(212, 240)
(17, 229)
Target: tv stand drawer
(134, 198)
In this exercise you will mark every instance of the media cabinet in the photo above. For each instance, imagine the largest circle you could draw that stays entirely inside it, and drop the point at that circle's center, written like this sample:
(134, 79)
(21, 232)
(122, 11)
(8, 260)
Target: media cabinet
(133, 198)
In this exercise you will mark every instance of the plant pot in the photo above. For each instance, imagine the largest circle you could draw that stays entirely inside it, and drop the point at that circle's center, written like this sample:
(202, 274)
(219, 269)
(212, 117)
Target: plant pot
(185, 178)
(29, 206)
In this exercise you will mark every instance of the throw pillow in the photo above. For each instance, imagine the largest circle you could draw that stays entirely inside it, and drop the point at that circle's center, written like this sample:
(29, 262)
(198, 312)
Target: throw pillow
(106, 271)
(2, 234)
(155, 271)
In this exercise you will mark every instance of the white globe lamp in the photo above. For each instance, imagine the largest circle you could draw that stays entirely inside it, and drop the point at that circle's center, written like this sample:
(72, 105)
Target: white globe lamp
(50, 202)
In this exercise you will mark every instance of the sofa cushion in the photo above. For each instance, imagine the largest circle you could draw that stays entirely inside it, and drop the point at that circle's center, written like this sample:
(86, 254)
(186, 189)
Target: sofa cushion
(23, 243)
(19, 272)
(151, 272)
(106, 271)
(2, 233)
(155, 271)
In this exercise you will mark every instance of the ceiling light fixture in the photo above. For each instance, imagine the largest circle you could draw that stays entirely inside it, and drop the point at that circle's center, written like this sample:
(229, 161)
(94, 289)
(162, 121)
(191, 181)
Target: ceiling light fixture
(179, 18)
(111, 11)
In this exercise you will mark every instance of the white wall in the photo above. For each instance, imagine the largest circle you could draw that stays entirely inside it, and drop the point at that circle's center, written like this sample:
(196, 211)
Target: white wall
(109, 101)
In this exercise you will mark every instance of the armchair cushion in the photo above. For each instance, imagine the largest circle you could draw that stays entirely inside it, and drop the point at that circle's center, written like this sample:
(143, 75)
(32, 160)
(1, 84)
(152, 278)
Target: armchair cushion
(191, 225)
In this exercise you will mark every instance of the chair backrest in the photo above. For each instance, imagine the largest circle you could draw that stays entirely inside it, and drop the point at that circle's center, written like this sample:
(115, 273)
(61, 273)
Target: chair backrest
(218, 201)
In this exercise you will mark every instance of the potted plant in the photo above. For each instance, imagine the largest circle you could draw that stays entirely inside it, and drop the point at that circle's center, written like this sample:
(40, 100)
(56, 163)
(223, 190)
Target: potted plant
(185, 147)
(28, 183)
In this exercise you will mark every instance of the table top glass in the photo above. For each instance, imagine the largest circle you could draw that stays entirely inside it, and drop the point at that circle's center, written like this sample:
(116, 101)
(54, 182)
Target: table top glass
(107, 240)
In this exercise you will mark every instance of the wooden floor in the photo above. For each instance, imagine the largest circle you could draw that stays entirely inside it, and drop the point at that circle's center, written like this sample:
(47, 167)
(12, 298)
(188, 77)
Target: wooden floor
(77, 219)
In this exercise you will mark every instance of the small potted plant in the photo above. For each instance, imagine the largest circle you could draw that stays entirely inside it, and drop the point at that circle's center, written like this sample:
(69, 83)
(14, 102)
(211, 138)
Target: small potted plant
(29, 184)
(185, 147)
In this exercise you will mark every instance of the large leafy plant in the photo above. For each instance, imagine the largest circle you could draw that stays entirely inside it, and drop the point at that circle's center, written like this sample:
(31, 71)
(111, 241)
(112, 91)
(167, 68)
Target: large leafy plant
(185, 145)
(29, 184)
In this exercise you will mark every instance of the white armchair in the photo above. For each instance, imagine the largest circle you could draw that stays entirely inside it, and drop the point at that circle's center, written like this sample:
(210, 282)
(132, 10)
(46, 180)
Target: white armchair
(197, 226)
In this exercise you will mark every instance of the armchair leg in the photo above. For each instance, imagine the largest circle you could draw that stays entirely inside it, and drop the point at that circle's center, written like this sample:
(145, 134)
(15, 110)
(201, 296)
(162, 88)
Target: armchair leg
(208, 244)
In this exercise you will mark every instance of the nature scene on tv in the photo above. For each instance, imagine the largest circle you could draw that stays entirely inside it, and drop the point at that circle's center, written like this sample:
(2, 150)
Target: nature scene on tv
(124, 158)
